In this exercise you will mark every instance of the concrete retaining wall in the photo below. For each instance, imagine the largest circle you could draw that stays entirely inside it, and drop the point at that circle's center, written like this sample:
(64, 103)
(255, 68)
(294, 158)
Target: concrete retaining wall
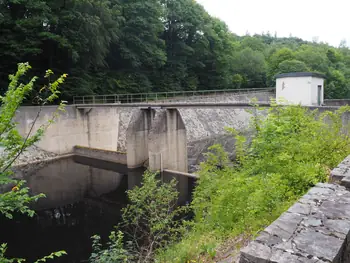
(102, 128)
(113, 156)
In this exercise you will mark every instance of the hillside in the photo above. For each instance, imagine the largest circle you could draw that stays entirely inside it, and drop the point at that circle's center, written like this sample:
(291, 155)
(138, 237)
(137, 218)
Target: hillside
(126, 46)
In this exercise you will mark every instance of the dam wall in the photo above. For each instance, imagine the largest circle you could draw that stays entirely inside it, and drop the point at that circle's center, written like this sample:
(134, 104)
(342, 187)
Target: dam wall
(107, 127)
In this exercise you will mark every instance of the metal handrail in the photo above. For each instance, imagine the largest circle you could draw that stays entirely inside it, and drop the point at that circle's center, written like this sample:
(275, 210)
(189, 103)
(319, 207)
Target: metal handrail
(157, 96)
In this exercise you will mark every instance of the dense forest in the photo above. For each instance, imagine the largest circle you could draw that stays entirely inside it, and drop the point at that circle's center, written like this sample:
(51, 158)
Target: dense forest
(126, 46)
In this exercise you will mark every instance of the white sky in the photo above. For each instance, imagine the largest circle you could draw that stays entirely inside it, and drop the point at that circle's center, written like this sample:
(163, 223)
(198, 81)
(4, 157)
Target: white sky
(325, 19)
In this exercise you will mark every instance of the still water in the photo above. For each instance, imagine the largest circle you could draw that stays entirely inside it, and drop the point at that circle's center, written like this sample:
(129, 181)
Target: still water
(84, 197)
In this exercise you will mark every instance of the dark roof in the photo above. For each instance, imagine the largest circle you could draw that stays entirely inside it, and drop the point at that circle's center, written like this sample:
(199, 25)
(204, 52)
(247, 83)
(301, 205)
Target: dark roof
(300, 74)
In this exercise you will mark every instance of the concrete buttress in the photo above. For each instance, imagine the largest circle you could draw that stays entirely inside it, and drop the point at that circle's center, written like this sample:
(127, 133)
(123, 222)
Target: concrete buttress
(159, 138)
(168, 142)
(137, 138)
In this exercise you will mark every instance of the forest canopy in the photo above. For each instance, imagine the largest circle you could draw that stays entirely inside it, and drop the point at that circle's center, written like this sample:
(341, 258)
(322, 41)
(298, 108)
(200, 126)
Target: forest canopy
(126, 46)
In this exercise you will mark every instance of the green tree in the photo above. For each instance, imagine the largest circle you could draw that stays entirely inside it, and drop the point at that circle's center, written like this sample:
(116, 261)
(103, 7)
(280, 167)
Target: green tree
(128, 46)
(280, 56)
(67, 36)
(292, 66)
(313, 57)
(252, 66)
(338, 86)
(254, 43)
(216, 53)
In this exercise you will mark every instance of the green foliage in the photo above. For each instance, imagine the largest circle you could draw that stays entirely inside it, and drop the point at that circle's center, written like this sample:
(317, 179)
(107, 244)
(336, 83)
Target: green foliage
(3, 248)
(315, 58)
(339, 87)
(292, 149)
(114, 252)
(150, 223)
(13, 144)
(283, 54)
(129, 46)
(51, 256)
(292, 66)
(251, 65)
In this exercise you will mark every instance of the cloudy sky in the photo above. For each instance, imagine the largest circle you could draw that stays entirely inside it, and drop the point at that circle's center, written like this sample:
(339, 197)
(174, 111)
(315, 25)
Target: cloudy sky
(325, 19)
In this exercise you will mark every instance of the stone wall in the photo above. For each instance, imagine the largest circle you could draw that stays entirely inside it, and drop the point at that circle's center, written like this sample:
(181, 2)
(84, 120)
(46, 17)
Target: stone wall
(206, 127)
(244, 97)
(315, 229)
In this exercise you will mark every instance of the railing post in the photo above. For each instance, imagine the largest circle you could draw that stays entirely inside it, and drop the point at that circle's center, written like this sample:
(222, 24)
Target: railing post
(83, 99)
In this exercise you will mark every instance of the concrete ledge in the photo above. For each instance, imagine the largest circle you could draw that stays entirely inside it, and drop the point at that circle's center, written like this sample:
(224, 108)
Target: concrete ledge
(174, 173)
(315, 229)
(113, 156)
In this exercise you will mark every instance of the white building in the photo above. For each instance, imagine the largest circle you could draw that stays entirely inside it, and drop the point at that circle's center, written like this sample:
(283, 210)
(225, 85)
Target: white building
(305, 88)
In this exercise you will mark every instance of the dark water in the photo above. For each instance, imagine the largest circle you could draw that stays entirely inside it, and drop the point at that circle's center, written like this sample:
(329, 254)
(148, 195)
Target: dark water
(84, 197)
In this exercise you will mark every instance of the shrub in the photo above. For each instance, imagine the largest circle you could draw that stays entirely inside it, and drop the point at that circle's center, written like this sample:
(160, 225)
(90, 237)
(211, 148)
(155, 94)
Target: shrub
(13, 144)
(150, 223)
(292, 149)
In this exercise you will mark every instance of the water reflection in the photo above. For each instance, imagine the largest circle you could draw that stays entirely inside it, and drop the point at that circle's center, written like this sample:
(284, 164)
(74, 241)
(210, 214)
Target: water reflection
(83, 197)
(66, 182)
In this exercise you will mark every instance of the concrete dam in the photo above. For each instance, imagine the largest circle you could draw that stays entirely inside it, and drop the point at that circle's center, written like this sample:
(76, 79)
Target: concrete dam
(172, 137)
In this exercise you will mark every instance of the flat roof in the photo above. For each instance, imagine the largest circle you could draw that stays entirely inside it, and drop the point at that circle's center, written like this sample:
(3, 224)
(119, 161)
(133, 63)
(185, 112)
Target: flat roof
(301, 74)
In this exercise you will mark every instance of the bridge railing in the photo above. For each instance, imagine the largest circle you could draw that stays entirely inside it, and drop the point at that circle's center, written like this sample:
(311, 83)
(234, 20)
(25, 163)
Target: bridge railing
(166, 96)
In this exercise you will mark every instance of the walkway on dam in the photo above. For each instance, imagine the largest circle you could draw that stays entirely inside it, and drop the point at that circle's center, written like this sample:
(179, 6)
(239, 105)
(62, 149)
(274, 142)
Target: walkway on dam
(172, 105)
(209, 98)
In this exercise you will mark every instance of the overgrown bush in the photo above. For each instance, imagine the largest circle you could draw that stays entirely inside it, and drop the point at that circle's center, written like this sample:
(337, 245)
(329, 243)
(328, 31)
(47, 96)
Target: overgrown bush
(292, 149)
(13, 145)
(150, 223)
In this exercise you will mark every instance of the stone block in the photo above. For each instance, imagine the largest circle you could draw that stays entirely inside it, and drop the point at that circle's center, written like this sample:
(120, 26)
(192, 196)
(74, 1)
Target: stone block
(316, 244)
